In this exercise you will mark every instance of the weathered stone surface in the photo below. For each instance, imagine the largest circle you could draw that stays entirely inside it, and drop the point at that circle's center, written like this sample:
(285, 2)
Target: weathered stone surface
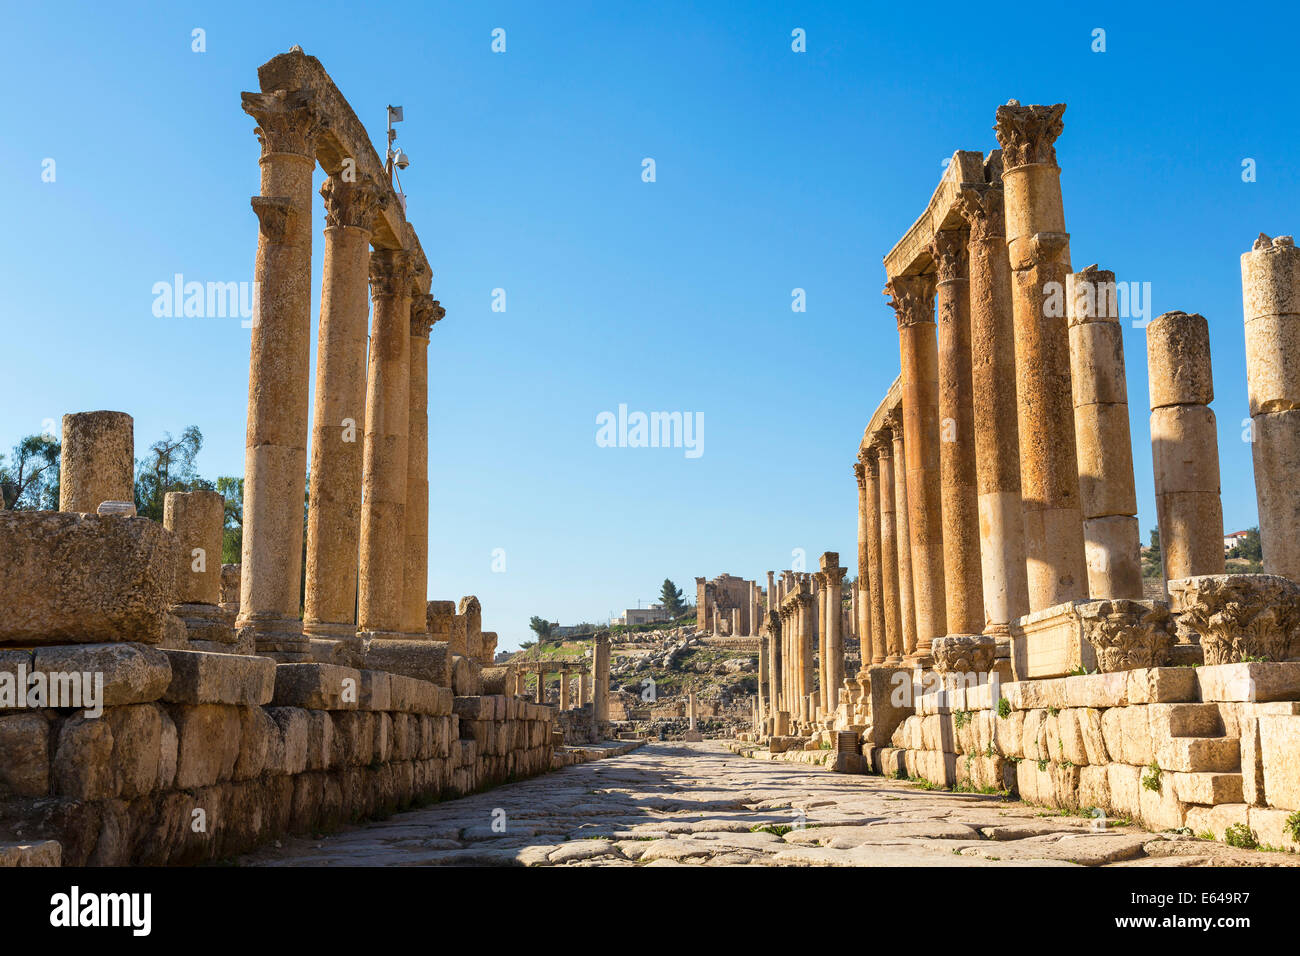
(964, 653)
(1241, 616)
(132, 673)
(71, 578)
(207, 743)
(1127, 634)
(82, 766)
(25, 746)
(423, 660)
(317, 686)
(43, 853)
(1280, 757)
(202, 678)
(96, 460)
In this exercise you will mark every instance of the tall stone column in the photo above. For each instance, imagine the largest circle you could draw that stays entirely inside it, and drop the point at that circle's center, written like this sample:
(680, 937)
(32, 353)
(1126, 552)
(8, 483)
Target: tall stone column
(1112, 542)
(821, 597)
(877, 642)
(807, 644)
(1270, 285)
(383, 515)
(1039, 250)
(97, 461)
(775, 676)
(762, 675)
(995, 414)
(884, 446)
(564, 688)
(862, 586)
(963, 584)
(425, 312)
(600, 677)
(1184, 445)
(771, 594)
(275, 451)
(902, 537)
(339, 416)
(912, 298)
(833, 667)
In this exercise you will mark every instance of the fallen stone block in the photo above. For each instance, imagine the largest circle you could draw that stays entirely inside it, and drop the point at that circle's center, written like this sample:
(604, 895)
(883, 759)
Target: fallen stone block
(70, 578)
(1255, 682)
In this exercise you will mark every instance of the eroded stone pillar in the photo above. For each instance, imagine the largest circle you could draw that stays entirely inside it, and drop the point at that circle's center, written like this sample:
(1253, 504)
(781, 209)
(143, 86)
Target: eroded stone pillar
(275, 457)
(339, 415)
(902, 537)
(564, 688)
(912, 298)
(889, 546)
(1112, 541)
(963, 586)
(775, 676)
(1039, 250)
(876, 641)
(196, 518)
(763, 691)
(384, 477)
(425, 312)
(833, 647)
(821, 598)
(1184, 445)
(600, 677)
(97, 461)
(807, 646)
(995, 415)
(862, 586)
(1270, 285)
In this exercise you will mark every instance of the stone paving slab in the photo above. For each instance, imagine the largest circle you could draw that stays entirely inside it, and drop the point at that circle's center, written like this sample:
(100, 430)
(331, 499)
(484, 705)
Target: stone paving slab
(698, 804)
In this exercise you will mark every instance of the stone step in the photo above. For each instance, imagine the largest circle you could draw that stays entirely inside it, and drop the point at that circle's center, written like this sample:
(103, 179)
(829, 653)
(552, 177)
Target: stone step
(1199, 755)
(1207, 788)
(1185, 720)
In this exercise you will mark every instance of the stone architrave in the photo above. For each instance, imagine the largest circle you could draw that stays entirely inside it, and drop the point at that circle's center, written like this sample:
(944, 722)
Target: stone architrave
(963, 586)
(338, 419)
(96, 460)
(912, 299)
(1270, 286)
(1039, 251)
(1184, 446)
(289, 124)
(1112, 541)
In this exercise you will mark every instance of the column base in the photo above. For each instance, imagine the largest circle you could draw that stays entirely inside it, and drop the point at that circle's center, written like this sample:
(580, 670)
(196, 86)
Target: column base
(278, 638)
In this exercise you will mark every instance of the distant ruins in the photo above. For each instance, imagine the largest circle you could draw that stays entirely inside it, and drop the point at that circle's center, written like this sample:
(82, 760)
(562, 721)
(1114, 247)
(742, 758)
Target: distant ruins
(1005, 639)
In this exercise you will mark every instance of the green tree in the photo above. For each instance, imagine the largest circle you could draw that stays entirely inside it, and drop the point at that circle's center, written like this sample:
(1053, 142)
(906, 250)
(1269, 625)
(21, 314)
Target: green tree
(1151, 562)
(670, 596)
(540, 627)
(168, 466)
(30, 482)
(232, 531)
(1248, 547)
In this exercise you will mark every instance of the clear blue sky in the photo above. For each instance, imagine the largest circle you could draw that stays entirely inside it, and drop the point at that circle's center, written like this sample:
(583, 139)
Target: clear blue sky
(775, 170)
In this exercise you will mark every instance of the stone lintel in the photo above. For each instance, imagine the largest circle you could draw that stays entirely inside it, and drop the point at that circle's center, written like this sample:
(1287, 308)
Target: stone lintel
(911, 255)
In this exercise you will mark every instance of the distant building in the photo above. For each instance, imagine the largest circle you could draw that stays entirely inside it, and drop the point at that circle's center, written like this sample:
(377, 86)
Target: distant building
(1230, 541)
(645, 615)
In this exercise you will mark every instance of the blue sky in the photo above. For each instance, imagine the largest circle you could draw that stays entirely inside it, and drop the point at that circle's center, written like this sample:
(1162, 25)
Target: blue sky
(775, 170)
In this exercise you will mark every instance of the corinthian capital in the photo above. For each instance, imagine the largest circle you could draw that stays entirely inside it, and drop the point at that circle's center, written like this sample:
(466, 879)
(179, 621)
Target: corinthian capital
(1026, 133)
(983, 210)
(894, 421)
(426, 312)
(860, 473)
(391, 272)
(352, 203)
(912, 299)
(948, 249)
(288, 121)
(882, 443)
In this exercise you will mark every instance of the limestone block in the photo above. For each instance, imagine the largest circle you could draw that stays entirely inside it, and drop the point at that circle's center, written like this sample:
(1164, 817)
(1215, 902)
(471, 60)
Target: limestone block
(1280, 757)
(1271, 827)
(1050, 643)
(1178, 361)
(424, 660)
(1009, 733)
(137, 740)
(1249, 682)
(1094, 740)
(256, 731)
(196, 519)
(25, 746)
(887, 708)
(132, 673)
(290, 750)
(466, 676)
(1184, 720)
(1126, 732)
(1125, 784)
(314, 686)
(1070, 737)
(354, 732)
(1094, 788)
(376, 691)
(97, 460)
(320, 740)
(438, 618)
(1205, 788)
(83, 767)
(1199, 754)
(1161, 685)
(207, 743)
(458, 640)
(1217, 819)
(1096, 690)
(202, 678)
(230, 582)
(383, 744)
(168, 750)
(41, 853)
(71, 578)
(1162, 809)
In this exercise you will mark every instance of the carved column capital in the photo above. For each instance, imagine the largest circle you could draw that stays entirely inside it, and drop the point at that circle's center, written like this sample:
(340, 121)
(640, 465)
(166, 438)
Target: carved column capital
(983, 209)
(871, 461)
(426, 312)
(391, 272)
(835, 576)
(912, 299)
(949, 251)
(1027, 133)
(354, 203)
(882, 442)
(894, 421)
(860, 473)
(288, 121)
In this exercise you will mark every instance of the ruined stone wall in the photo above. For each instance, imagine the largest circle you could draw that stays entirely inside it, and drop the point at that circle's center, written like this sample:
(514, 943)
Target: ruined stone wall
(1205, 748)
(578, 724)
(201, 756)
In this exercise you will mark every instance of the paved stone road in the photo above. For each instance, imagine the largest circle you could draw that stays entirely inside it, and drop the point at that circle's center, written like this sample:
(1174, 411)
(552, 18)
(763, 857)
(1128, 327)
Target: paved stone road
(671, 804)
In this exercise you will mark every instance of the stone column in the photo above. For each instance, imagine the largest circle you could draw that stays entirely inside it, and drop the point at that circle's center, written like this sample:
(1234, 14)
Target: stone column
(196, 518)
(876, 642)
(564, 688)
(893, 636)
(690, 707)
(383, 515)
(771, 593)
(600, 677)
(963, 584)
(1112, 542)
(97, 461)
(821, 597)
(807, 646)
(339, 415)
(1184, 445)
(584, 688)
(912, 298)
(275, 456)
(775, 676)
(902, 537)
(1270, 285)
(862, 586)
(425, 311)
(763, 691)
(541, 685)
(995, 419)
(833, 666)
(1039, 250)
